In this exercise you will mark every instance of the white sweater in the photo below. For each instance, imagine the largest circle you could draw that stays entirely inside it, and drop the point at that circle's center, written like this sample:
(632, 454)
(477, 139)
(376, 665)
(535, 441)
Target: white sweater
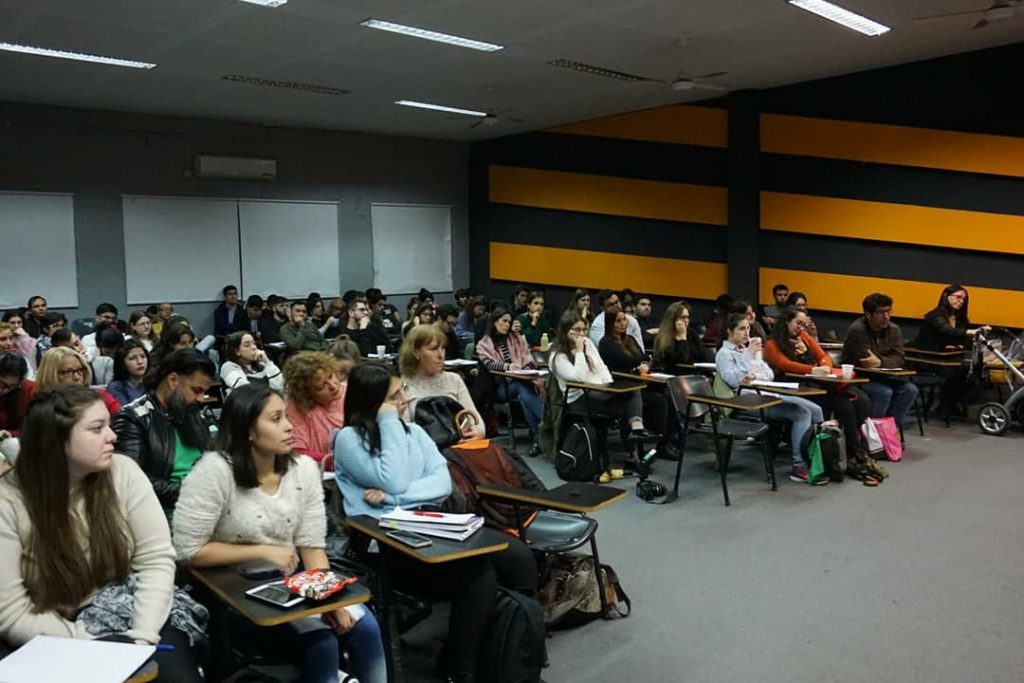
(577, 369)
(211, 507)
(234, 375)
(152, 561)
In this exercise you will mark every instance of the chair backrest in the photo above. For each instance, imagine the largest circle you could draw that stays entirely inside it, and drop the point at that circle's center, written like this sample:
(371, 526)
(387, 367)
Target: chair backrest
(681, 388)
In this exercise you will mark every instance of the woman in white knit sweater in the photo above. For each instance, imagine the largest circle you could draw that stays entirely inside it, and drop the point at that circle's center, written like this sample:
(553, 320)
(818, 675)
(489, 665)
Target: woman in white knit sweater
(75, 517)
(256, 502)
(244, 362)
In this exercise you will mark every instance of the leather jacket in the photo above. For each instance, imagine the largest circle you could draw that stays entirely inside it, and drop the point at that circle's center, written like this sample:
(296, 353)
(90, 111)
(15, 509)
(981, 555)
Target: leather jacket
(145, 434)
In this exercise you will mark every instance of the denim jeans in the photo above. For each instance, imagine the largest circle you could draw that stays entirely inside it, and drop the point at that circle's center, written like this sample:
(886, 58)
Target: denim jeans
(890, 399)
(314, 649)
(802, 414)
(529, 399)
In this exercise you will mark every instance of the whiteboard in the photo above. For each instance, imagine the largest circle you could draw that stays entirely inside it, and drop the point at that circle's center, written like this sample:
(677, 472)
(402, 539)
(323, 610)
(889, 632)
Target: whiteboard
(412, 247)
(179, 249)
(289, 248)
(37, 231)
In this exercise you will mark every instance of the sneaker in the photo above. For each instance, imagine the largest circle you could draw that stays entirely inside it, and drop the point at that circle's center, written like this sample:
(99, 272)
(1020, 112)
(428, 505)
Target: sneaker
(799, 474)
(611, 475)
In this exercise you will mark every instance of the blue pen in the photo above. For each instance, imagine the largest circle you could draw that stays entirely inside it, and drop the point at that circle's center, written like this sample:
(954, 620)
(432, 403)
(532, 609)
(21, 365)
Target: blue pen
(164, 648)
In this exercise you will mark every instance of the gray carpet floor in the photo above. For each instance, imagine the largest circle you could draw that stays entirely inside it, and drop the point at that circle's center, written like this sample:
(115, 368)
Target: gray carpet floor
(920, 579)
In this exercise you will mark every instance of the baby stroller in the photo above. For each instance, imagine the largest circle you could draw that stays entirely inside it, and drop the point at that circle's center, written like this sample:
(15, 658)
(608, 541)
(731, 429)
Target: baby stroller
(995, 418)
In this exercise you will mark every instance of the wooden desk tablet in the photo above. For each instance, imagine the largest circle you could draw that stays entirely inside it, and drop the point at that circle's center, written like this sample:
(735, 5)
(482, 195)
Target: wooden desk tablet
(949, 353)
(572, 497)
(616, 387)
(785, 391)
(741, 402)
(831, 346)
(641, 378)
(522, 376)
(830, 380)
(885, 372)
(483, 542)
(230, 586)
(935, 362)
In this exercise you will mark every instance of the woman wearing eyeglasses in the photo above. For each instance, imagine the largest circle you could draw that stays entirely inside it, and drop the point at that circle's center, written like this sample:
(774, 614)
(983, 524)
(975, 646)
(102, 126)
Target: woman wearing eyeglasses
(676, 344)
(947, 327)
(61, 365)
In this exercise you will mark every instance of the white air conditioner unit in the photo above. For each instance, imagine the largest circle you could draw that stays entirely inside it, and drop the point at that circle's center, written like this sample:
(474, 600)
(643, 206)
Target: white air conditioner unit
(235, 167)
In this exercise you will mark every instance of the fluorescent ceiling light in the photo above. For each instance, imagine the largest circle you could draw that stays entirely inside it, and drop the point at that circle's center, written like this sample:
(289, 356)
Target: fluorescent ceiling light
(78, 56)
(431, 35)
(842, 16)
(267, 3)
(441, 107)
(595, 70)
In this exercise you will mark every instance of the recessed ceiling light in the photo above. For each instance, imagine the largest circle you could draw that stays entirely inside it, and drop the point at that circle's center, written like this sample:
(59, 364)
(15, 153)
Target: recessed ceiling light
(431, 35)
(842, 16)
(595, 70)
(440, 107)
(267, 3)
(77, 56)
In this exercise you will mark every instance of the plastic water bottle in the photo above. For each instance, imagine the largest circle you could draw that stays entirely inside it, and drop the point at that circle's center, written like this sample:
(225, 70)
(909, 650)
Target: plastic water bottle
(544, 342)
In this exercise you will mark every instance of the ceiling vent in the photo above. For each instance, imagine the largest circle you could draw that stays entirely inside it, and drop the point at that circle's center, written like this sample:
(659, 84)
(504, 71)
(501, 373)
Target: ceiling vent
(287, 85)
(595, 70)
(237, 168)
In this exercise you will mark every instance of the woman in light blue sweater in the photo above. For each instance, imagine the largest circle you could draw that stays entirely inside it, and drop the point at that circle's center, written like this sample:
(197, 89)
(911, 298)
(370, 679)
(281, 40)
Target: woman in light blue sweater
(380, 462)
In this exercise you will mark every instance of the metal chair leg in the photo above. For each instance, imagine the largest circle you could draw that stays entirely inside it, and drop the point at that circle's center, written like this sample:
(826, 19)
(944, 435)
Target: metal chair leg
(722, 462)
(769, 462)
(679, 465)
(600, 580)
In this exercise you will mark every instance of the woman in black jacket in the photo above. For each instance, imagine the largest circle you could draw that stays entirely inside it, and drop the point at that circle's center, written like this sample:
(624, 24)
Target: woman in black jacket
(947, 327)
(676, 344)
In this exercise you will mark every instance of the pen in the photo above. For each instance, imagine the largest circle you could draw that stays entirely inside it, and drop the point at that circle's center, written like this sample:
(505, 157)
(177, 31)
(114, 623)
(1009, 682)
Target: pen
(164, 648)
(428, 514)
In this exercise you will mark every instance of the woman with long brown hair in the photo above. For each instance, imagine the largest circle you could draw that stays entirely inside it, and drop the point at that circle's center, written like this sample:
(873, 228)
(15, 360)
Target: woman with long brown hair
(75, 517)
(676, 344)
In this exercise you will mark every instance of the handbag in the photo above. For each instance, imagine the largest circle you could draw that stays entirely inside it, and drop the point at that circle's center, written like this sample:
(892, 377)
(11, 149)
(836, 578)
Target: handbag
(889, 436)
(443, 418)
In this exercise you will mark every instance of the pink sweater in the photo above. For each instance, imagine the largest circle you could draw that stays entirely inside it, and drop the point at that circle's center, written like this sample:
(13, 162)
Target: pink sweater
(311, 433)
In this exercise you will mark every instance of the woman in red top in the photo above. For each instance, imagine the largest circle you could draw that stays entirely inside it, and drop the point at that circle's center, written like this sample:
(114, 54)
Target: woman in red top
(791, 349)
(15, 392)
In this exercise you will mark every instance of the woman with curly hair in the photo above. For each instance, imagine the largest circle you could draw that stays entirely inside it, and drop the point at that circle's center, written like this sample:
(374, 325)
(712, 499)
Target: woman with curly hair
(316, 401)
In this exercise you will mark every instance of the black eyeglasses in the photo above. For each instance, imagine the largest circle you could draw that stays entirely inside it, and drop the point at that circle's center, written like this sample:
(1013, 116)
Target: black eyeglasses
(6, 388)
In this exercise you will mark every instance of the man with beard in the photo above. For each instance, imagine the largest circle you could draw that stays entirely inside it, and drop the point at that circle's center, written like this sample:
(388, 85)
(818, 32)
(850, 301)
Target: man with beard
(167, 429)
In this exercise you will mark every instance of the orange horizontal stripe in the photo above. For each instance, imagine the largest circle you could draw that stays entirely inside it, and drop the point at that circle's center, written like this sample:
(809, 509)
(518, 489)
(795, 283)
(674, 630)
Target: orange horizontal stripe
(609, 195)
(855, 218)
(911, 299)
(675, 124)
(602, 270)
(900, 145)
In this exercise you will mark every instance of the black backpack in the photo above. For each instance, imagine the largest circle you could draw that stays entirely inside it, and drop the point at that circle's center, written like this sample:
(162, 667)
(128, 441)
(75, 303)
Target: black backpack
(576, 459)
(514, 650)
(436, 414)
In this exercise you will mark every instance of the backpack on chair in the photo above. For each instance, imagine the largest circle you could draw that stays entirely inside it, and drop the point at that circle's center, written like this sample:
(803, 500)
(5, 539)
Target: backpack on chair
(576, 459)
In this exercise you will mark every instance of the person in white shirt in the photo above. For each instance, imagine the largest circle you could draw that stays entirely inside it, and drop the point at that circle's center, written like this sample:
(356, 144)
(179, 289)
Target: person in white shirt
(106, 316)
(609, 301)
(575, 359)
(739, 363)
(246, 362)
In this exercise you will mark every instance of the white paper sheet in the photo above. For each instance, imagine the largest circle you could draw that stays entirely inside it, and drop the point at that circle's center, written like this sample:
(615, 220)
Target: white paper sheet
(47, 658)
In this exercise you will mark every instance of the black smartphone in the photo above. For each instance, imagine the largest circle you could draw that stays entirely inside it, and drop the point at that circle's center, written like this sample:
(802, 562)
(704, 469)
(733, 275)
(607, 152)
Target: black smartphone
(259, 572)
(409, 538)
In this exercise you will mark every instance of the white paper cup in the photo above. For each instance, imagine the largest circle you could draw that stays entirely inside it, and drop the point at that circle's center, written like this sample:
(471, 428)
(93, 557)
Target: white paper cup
(10, 448)
(847, 371)
(381, 350)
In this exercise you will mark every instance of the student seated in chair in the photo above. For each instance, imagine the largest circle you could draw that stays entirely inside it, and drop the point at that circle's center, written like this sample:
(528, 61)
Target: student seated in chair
(383, 463)
(22, 343)
(299, 334)
(245, 362)
(76, 517)
(874, 341)
(15, 393)
(227, 317)
(447, 319)
(273, 320)
(140, 328)
(106, 318)
(48, 324)
(504, 348)
(362, 329)
(609, 301)
(168, 429)
(676, 342)
(576, 359)
(739, 363)
(252, 500)
(61, 365)
(130, 365)
(35, 309)
(535, 322)
(421, 362)
(316, 401)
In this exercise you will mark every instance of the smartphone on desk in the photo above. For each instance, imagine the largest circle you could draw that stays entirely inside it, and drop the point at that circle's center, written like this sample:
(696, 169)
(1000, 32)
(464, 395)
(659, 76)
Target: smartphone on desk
(275, 593)
(409, 538)
(259, 571)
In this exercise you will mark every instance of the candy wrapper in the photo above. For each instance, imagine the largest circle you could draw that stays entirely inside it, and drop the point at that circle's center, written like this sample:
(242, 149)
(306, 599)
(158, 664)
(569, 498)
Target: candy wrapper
(317, 584)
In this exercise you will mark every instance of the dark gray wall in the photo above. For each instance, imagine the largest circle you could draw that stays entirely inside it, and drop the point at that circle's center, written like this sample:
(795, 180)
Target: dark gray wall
(100, 156)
